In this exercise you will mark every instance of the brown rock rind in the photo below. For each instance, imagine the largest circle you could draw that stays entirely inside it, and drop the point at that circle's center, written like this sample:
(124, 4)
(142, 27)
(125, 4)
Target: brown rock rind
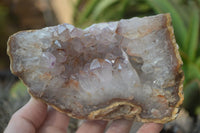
(118, 108)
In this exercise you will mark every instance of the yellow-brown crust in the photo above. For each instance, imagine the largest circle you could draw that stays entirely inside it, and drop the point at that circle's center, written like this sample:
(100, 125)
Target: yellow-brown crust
(101, 112)
(9, 54)
(118, 103)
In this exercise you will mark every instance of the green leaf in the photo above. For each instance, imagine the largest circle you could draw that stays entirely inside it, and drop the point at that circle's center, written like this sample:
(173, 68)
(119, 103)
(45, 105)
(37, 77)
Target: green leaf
(191, 42)
(193, 71)
(197, 110)
(198, 62)
(18, 89)
(123, 6)
(165, 6)
(191, 96)
(101, 6)
(183, 9)
(89, 6)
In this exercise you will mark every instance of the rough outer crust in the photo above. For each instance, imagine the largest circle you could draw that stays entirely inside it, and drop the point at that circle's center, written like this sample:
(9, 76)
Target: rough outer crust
(116, 104)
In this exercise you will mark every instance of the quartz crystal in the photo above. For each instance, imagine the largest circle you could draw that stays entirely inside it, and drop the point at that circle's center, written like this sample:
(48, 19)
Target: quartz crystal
(125, 69)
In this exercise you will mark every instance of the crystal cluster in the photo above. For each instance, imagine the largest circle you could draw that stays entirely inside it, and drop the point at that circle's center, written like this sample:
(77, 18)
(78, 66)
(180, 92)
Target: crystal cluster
(126, 69)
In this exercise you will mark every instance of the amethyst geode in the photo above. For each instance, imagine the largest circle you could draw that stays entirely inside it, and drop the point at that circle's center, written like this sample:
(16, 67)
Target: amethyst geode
(126, 69)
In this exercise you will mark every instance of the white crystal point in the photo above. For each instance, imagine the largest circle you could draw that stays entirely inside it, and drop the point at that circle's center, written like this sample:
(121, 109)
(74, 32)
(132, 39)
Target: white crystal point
(125, 69)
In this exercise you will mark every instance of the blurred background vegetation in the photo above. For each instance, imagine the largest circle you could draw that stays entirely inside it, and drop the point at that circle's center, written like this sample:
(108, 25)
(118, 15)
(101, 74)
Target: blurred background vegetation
(18, 15)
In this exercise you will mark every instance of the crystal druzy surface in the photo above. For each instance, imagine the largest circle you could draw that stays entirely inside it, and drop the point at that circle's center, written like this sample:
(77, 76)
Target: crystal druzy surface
(126, 69)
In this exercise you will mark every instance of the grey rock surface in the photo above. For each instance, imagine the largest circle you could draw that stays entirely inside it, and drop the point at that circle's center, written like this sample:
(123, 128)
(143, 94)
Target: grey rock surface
(125, 69)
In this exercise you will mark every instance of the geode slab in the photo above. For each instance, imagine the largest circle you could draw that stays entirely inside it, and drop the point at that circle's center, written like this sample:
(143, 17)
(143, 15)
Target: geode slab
(126, 69)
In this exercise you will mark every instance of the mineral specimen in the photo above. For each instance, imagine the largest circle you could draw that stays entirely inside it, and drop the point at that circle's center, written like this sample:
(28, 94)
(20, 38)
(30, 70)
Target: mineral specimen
(126, 69)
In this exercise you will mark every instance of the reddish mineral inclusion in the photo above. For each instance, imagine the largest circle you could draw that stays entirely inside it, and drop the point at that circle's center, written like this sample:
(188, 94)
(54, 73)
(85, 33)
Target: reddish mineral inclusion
(126, 69)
